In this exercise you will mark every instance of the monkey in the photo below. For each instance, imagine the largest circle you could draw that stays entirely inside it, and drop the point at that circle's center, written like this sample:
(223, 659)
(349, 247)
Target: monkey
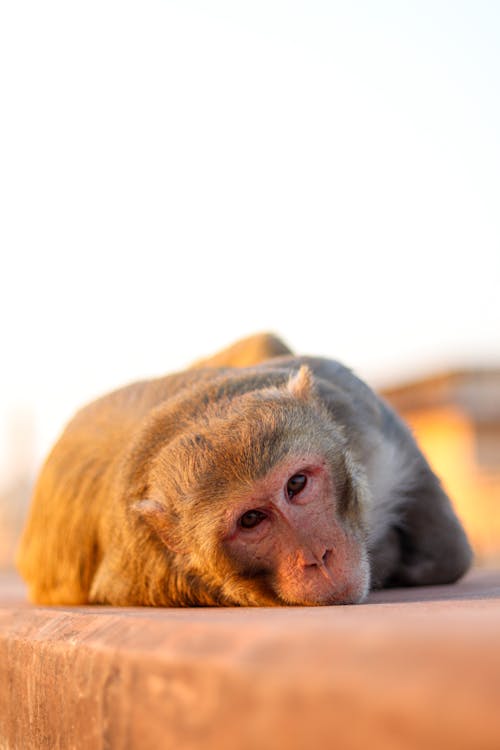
(254, 478)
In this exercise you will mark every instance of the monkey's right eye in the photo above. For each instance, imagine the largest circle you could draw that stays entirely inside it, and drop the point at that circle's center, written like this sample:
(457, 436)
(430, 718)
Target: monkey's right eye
(251, 519)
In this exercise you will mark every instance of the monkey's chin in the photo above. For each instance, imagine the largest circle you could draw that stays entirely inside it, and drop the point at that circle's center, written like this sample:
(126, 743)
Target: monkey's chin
(345, 596)
(351, 590)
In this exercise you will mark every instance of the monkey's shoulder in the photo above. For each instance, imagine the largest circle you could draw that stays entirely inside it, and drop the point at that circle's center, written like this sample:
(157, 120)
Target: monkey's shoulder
(136, 399)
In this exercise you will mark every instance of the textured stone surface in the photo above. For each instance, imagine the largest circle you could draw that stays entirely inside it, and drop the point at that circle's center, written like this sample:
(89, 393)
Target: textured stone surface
(410, 669)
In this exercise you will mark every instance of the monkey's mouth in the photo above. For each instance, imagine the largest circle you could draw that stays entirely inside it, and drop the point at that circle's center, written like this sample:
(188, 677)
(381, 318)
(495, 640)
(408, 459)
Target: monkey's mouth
(340, 576)
(324, 583)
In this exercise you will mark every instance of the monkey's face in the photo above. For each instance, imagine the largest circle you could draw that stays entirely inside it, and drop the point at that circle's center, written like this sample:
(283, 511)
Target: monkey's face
(262, 503)
(287, 535)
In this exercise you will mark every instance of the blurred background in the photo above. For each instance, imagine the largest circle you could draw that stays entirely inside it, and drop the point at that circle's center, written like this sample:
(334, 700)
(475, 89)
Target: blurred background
(177, 175)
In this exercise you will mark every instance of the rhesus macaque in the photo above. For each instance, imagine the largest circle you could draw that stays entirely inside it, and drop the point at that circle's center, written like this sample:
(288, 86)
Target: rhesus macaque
(285, 481)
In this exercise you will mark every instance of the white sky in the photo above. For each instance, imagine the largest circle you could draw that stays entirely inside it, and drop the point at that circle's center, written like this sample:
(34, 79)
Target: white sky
(174, 175)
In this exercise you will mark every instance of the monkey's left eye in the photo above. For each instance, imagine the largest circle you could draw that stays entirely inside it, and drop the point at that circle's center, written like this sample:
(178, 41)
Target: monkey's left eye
(295, 484)
(251, 519)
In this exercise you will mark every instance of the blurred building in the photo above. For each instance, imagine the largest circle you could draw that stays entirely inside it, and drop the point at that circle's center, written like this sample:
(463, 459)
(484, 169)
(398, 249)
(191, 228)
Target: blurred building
(456, 420)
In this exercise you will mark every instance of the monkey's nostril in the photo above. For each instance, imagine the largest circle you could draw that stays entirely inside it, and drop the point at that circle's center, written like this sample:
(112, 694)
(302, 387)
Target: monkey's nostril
(319, 562)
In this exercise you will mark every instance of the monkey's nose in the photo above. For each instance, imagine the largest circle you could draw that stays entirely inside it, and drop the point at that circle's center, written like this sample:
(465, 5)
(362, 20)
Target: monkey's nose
(316, 560)
(326, 555)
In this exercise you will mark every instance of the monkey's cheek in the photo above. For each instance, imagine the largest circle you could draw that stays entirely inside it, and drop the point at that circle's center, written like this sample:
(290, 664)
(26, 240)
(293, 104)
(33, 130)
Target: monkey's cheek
(356, 586)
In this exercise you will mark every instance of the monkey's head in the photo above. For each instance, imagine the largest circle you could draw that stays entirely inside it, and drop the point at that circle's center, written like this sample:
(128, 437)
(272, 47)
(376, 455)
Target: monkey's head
(261, 502)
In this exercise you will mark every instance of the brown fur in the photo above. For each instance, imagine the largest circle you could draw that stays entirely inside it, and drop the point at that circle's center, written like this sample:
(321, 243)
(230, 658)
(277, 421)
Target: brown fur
(247, 352)
(134, 502)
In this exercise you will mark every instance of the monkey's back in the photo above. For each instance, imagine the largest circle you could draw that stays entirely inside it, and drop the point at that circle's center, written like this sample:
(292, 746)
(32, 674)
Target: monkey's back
(60, 547)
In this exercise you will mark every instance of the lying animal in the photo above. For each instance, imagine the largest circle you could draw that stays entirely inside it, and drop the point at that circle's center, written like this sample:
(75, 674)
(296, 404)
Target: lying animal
(253, 478)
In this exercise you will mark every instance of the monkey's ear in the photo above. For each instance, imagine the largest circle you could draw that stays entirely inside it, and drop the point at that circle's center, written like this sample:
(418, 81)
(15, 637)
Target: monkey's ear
(160, 520)
(300, 384)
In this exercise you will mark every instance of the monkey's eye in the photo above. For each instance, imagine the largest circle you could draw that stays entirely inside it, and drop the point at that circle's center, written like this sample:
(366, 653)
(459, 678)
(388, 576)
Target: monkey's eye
(251, 519)
(295, 484)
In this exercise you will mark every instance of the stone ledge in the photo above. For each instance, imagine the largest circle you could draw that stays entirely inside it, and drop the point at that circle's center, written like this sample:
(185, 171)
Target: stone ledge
(410, 669)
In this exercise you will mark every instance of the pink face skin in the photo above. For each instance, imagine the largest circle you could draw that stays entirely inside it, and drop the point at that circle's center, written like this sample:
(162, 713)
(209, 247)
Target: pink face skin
(312, 556)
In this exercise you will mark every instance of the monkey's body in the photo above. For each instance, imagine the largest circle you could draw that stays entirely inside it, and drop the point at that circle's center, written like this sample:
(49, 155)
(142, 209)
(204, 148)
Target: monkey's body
(135, 503)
